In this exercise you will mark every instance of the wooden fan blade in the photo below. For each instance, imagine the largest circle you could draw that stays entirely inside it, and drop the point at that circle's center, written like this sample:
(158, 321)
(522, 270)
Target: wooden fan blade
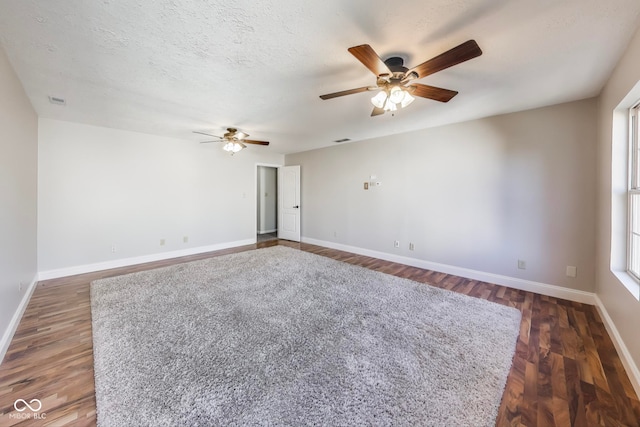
(377, 111)
(458, 54)
(370, 59)
(432, 92)
(344, 92)
(207, 134)
(250, 141)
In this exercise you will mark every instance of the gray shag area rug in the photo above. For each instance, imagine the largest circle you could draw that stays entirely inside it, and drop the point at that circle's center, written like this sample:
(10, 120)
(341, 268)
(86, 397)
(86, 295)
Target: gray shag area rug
(281, 337)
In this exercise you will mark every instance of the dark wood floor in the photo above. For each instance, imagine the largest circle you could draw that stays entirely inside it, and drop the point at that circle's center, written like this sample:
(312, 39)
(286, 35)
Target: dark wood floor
(566, 371)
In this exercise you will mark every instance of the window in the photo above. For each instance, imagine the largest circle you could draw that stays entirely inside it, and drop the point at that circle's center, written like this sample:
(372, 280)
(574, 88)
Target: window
(633, 254)
(625, 204)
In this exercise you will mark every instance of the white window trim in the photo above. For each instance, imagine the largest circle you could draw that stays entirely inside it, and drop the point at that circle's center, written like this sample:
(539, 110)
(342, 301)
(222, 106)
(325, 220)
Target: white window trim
(620, 181)
(633, 186)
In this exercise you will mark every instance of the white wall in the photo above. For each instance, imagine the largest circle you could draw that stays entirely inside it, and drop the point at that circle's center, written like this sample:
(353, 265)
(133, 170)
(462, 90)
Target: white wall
(18, 196)
(621, 306)
(267, 199)
(478, 195)
(101, 187)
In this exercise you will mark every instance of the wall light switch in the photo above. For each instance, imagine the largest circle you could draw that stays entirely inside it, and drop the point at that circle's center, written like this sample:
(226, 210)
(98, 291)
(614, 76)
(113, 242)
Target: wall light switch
(572, 271)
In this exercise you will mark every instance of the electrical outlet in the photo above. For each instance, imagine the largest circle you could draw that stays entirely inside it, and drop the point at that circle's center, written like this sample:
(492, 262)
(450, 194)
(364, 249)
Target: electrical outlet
(572, 271)
(114, 248)
(366, 185)
(162, 242)
(185, 239)
(20, 287)
(411, 247)
(335, 234)
(522, 264)
(396, 244)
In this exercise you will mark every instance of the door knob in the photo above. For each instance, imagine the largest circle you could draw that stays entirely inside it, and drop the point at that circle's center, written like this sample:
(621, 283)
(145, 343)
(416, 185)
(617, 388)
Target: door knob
(296, 207)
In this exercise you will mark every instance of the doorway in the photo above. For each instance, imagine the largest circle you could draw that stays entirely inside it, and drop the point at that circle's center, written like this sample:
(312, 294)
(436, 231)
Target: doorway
(267, 203)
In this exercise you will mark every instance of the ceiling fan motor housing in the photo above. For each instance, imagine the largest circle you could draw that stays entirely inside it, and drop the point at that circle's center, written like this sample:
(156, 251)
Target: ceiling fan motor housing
(396, 66)
(230, 133)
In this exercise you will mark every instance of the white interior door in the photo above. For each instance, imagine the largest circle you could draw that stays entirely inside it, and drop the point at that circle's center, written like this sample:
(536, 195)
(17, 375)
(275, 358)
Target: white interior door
(289, 203)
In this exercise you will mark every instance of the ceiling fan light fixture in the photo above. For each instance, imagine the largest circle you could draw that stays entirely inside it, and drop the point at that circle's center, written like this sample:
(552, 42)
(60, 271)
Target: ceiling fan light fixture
(379, 100)
(232, 147)
(392, 99)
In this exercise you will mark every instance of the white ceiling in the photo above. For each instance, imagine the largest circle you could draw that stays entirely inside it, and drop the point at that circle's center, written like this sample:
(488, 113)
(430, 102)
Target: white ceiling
(168, 67)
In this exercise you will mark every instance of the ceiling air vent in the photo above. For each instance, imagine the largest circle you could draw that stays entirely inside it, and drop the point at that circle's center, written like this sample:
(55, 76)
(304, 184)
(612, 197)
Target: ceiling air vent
(57, 101)
(342, 140)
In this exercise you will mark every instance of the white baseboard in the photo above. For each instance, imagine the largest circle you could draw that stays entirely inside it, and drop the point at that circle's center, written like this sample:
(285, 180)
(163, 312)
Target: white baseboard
(512, 282)
(627, 361)
(15, 320)
(124, 262)
(267, 231)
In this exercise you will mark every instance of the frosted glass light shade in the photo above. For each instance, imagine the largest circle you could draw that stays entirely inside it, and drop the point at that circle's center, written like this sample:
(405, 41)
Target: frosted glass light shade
(396, 95)
(390, 106)
(408, 99)
(379, 99)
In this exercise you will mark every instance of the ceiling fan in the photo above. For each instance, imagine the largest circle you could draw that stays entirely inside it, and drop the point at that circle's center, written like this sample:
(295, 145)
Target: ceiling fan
(394, 79)
(235, 140)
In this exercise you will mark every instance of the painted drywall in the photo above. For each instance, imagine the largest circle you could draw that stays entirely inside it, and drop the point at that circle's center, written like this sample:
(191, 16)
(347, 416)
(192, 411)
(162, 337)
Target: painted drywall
(104, 189)
(623, 308)
(18, 195)
(478, 195)
(267, 199)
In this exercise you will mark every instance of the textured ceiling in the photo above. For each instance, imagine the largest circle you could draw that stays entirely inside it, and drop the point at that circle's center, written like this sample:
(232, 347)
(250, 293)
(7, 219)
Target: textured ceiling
(172, 66)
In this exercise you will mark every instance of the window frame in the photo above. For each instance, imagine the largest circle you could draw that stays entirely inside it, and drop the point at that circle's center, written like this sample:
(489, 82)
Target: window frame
(633, 250)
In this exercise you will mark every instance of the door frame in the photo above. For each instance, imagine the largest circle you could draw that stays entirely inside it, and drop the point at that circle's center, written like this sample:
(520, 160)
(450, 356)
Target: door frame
(255, 195)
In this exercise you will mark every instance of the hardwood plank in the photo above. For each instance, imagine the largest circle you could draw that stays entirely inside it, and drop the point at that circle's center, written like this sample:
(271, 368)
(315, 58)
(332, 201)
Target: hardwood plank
(561, 413)
(544, 416)
(530, 401)
(558, 378)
